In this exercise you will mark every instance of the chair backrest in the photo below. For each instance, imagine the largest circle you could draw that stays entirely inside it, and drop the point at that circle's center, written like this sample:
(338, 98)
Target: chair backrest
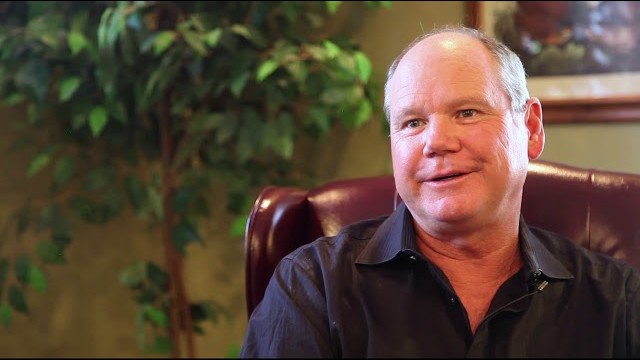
(600, 210)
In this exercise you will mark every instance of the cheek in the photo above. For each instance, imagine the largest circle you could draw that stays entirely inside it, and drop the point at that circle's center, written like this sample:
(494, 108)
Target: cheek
(402, 151)
(494, 140)
(509, 149)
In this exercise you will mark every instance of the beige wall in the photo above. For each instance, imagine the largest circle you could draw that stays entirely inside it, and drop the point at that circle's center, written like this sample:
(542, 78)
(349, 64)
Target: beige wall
(87, 313)
(614, 147)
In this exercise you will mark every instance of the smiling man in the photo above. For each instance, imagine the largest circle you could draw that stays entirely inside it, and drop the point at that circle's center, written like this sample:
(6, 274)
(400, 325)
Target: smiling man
(454, 271)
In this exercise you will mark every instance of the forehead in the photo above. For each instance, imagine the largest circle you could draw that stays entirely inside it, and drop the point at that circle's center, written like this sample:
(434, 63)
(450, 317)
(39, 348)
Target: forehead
(445, 64)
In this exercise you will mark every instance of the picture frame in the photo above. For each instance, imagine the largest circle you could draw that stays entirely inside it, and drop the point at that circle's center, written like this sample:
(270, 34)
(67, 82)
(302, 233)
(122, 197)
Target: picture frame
(578, 77)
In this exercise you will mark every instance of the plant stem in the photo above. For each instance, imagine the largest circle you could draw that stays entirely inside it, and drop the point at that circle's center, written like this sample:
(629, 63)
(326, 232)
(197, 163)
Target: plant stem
(170, 251)
(179, 312)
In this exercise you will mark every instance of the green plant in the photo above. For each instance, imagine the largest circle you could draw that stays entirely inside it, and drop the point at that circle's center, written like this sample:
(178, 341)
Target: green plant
(146, 104)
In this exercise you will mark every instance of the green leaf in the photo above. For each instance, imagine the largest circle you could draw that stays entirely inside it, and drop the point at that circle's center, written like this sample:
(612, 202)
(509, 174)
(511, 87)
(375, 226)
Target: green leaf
(34, 112)
(111, 203)
(111, 24)
(146, 296)
(198, 311)
(99, 178)
(226, 130)
(203, 122)
(77, 41)
(213, 37)
(118, 111)
(62, 240)
(182, 198)
(320, 117)
(238, 226)
(238, 84)
(157, 276)
(197, 329)
(5, 315)
(241, 30)
(196, 42)
(44, 28)
(299, 72)
(283, 146)
(50, 252)
(233, 351)
(4, 271)
(38, 163)
(316, 21)
(38, 8)
(156, 315)
(155, 202)
(162, 41)
(85, 209)
(68, 87)
(97, 120)
(266, 68)
(363, 113)
(79, 21)
(133, 276)
(37, 279)
(363, 66)
(201, 207)
(136, 193)
(183, 234)
(332, 6)
(161, 345)
(247, 141)
(141, 333)
(34, 76)
(64, 170)
(78, 121)
(14, 99)
(22, 268)
(335, 96)
(333, 50)
(17, 300)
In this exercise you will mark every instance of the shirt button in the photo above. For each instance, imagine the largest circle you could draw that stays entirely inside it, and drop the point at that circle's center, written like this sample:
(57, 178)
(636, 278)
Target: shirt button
(453, 301)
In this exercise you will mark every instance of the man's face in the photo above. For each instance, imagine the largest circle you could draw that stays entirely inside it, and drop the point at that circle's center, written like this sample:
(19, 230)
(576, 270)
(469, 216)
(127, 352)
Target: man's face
(459, 154)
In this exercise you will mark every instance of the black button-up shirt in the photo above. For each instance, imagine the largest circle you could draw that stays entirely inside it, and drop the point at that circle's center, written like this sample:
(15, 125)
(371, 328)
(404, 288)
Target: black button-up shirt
(369, 292)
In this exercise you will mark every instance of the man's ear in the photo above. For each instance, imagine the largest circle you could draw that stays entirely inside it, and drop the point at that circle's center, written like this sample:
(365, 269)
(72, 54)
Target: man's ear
(533, 122)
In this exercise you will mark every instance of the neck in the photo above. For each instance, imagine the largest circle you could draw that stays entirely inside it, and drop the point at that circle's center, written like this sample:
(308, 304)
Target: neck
(481, 256)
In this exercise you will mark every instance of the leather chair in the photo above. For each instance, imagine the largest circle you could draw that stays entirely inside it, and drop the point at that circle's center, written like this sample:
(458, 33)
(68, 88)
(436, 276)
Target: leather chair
(598, 209)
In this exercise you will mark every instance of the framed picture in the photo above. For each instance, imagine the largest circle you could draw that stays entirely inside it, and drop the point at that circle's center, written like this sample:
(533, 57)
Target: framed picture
(582, 58)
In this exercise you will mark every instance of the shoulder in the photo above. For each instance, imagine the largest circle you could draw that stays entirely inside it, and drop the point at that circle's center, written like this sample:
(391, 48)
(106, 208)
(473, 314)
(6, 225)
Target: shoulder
(332, 251)
(590, 265)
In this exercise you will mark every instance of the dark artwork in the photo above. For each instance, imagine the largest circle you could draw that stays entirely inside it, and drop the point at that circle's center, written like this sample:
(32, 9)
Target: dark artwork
(573, 37)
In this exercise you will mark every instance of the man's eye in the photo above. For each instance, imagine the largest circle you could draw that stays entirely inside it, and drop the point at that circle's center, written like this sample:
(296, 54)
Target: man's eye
(413, 123)
(467, 113)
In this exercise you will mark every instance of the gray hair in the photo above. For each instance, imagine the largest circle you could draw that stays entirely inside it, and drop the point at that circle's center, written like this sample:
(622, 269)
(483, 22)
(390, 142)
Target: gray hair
(512, 72)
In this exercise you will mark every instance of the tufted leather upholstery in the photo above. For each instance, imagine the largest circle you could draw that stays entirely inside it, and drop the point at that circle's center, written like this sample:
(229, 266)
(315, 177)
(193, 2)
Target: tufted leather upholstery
(598, 209)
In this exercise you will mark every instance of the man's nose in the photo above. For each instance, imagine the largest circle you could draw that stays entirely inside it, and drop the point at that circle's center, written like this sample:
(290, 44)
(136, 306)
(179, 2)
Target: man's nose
(441, 136)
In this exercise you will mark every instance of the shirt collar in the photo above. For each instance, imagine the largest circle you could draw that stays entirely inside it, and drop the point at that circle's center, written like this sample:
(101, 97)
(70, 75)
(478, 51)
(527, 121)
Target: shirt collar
(538, 257)
(396, 237)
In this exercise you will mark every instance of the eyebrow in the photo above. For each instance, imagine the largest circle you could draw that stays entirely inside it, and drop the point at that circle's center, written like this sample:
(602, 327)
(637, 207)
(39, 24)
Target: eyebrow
(456, 102)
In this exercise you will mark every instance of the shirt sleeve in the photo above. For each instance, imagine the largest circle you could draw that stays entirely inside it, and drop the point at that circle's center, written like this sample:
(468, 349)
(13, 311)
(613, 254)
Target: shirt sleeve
(291, 320)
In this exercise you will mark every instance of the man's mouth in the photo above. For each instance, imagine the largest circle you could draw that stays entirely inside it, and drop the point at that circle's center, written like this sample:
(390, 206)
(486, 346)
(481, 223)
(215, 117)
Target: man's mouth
(447, 177)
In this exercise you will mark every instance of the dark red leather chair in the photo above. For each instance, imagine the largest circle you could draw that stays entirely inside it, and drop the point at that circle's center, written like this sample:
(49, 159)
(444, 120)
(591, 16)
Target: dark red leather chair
(598, 209)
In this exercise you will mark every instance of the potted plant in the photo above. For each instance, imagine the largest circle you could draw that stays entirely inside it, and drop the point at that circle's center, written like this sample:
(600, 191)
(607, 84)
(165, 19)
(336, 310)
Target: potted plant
(145, 104)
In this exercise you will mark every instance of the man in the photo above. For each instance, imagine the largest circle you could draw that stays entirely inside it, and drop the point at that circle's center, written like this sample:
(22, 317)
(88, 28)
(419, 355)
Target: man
(455, 271)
